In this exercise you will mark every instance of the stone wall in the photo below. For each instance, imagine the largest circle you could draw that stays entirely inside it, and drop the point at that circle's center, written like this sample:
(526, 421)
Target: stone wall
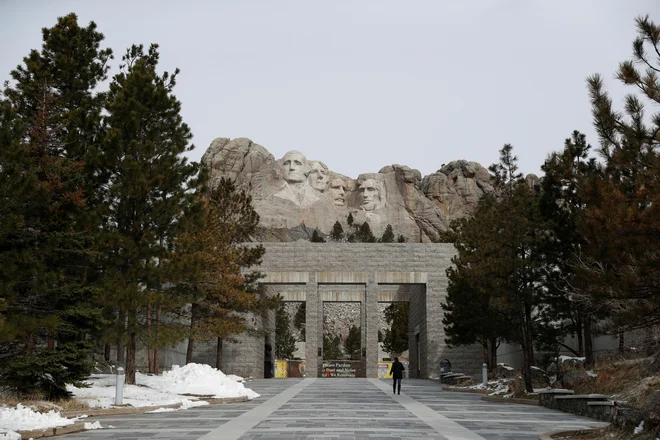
(312, 271)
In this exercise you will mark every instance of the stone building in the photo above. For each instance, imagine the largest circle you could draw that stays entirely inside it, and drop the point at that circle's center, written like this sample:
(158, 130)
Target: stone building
(367, 273)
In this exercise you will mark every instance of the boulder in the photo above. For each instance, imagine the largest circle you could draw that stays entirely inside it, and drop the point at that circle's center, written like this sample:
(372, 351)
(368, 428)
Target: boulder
(651, 410)
(570, 379)
(505, 371)
(539, 378)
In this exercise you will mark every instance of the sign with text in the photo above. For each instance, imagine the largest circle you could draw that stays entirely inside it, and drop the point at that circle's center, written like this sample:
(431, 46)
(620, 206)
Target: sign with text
(342, 369)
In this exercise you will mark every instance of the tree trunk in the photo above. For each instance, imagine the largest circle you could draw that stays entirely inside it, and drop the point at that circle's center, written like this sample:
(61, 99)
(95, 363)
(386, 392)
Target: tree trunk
(120, 347)
(150, 352)
(578, 334)
(621, 343)
(218, 357)
(191, 339)
(156, 365)
(589, 360)
(120, 352)
(51, 341)
(130, 359)
(528, 357)
(492, 364)
(106, 352)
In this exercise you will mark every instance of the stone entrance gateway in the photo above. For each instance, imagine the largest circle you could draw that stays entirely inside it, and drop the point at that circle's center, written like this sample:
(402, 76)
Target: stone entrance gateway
(368, 273)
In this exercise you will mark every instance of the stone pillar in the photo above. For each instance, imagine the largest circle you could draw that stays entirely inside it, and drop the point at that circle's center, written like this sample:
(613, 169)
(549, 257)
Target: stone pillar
(432, 333)
(313, 338)
(371, 312)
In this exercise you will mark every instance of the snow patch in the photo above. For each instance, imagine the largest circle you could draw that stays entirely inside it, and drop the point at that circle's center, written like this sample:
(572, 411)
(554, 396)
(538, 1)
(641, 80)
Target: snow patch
(23, 418)
(95, 425)
(198, 379)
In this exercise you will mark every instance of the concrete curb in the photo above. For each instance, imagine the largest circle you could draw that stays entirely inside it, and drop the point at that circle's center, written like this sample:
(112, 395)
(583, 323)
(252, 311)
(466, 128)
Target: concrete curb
(550, 435)
(464, 390)
(510, 400)
(50, 432)
(118, 411)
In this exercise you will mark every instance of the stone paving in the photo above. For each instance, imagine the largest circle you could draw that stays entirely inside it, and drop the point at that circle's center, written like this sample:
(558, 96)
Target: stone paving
(305, 409)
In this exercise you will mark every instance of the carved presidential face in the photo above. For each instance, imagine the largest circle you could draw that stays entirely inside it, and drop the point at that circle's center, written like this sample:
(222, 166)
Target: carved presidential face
(318, 175)
(371, 197)
(294, 167)
(338, 192)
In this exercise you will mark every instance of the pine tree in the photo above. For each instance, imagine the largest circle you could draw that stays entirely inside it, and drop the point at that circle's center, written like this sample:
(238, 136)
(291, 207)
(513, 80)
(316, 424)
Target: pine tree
(353, 342)
(388, 235)
(215, 266)
(350, 219)
(401, 239)
(317, 237)
(148, 200)
(395, 339)
(331, 347)
(285, 342)
(364, 234)
(563, 203)
(470, 313)
(622, 220)
(300, 320)
(337, 233)
(48, 247)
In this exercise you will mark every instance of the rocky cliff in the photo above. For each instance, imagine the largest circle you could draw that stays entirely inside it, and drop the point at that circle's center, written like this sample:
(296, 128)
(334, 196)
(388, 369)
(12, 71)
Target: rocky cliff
(295, 195)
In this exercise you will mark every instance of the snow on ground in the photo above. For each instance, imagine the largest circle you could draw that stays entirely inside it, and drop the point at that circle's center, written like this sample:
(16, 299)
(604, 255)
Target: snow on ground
(22, 418)
(198, 379)
(169, 388)
(172, 387)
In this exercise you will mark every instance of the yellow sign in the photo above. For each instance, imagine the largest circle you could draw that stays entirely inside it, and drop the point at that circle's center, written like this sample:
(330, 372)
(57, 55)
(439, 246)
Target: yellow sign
(384, 370)
(281, 369)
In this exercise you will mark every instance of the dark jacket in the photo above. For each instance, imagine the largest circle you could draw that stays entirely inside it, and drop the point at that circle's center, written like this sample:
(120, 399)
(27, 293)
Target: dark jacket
(397, 370)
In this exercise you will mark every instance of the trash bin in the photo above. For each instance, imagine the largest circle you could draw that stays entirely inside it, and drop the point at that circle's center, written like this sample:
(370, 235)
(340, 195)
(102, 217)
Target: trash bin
(445, 366)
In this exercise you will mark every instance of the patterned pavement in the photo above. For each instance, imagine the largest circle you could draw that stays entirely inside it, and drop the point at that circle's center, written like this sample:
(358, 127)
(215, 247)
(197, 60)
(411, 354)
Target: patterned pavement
(344, 409)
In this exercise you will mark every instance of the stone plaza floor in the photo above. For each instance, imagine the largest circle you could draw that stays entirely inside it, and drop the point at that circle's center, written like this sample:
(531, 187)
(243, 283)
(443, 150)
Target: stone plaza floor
(340, 409)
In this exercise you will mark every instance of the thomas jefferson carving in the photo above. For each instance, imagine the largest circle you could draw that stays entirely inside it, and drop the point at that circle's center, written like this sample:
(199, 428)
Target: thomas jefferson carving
(318, 175)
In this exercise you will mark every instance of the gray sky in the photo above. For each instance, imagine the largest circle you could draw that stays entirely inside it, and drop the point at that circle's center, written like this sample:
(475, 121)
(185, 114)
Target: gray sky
(364, 84)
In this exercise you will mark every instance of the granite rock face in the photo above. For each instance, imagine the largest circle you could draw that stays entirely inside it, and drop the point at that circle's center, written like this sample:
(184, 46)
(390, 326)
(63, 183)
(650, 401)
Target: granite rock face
(295, 195)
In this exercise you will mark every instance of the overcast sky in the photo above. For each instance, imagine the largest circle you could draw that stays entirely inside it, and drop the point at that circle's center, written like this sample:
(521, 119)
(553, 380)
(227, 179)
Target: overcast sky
(364, 84)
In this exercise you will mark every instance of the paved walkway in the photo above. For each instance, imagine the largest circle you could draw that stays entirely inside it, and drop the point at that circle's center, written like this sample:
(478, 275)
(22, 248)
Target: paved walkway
(305, 409)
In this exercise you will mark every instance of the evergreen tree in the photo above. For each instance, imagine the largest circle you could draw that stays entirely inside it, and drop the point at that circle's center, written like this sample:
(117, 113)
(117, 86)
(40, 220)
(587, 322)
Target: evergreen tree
(149, 197)
(317, 237)
(350, 219)
(388, 235)
(337, 233)
(285, 342)
(331, 347)
(215, 265)
(353, 342)
(364, 234)
(300, 320)
(48, 245)
(563, 203)
(401, 239)
(470, 314)
(395, 339)
(621, 227)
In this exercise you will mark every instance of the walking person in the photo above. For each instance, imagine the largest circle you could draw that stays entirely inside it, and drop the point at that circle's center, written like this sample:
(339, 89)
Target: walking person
(397, 374)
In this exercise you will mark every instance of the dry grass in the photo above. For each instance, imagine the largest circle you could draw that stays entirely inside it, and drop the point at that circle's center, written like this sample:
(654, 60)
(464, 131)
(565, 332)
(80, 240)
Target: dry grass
(610, 433)
(38, 403)
(623, 381)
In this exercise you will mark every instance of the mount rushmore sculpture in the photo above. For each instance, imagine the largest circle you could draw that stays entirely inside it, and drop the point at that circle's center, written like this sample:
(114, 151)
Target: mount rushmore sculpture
(295, 195)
